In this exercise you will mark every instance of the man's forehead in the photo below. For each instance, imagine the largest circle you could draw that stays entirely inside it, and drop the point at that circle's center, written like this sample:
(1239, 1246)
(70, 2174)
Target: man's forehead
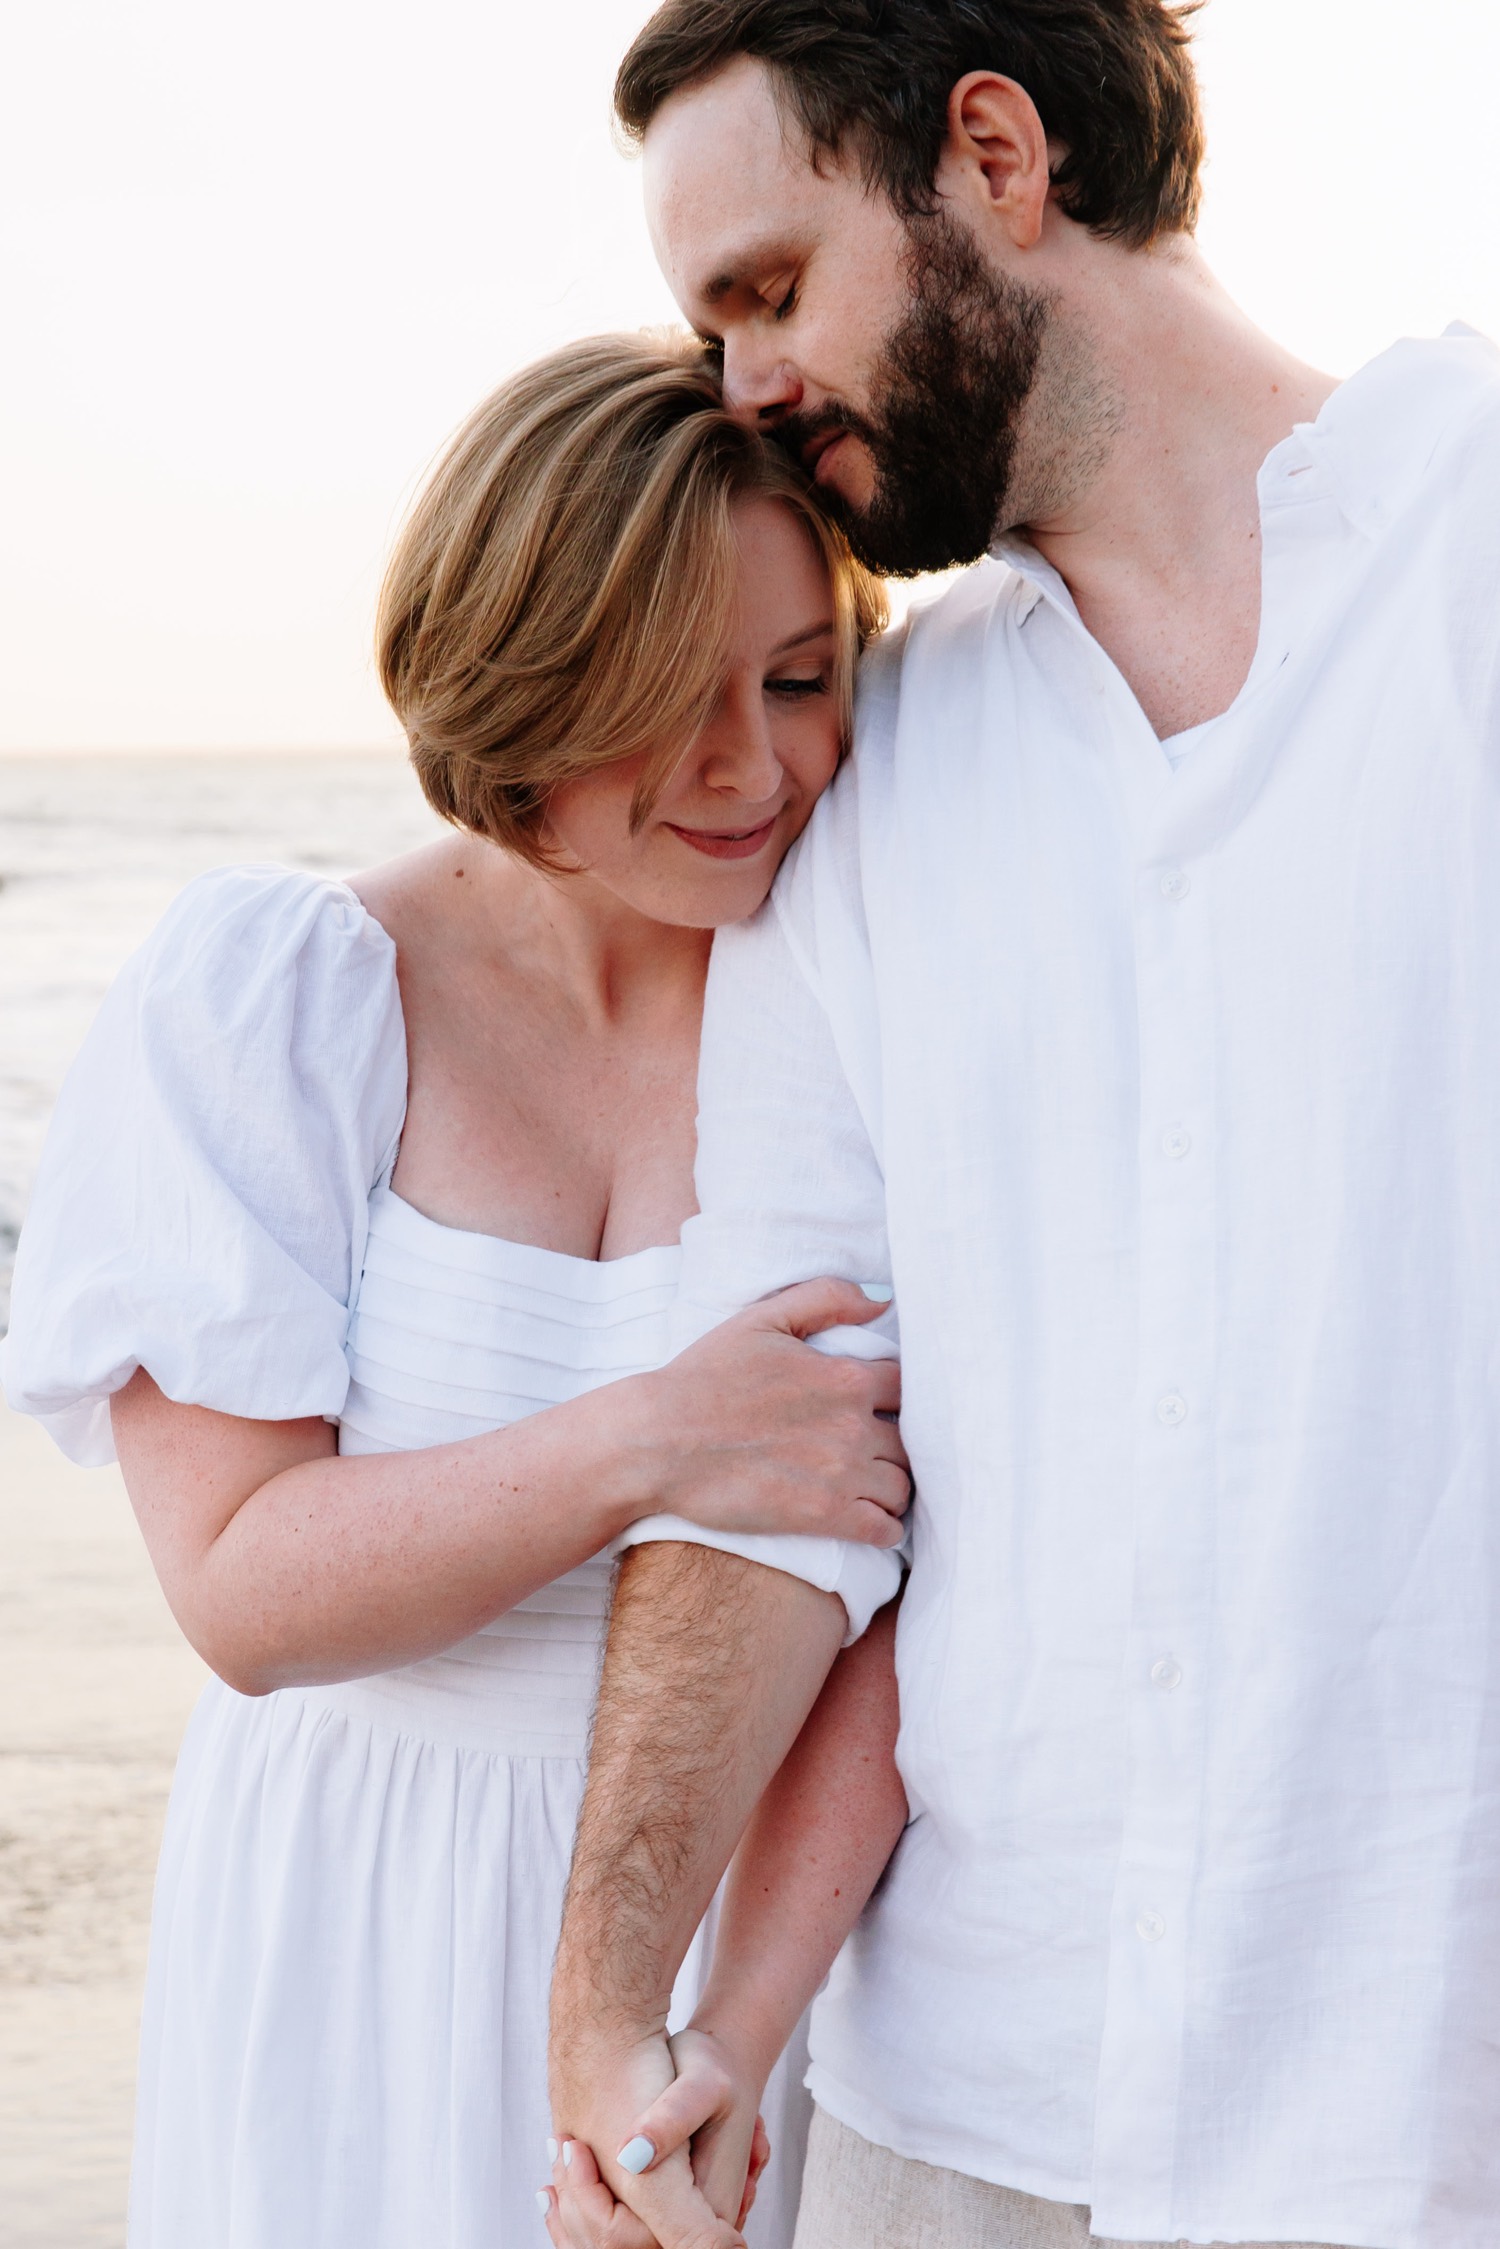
(734, 112)
(726, 183)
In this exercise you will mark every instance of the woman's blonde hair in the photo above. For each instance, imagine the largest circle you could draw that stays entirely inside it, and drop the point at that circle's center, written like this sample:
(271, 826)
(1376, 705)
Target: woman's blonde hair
(562, 596)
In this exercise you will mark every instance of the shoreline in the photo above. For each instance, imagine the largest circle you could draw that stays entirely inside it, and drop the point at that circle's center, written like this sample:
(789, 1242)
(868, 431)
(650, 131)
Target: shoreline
(96, 1684)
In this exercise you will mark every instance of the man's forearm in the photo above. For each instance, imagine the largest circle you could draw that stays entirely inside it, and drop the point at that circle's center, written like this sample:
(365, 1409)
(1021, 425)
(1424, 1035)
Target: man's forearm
(712, 1666)
(813, 1852)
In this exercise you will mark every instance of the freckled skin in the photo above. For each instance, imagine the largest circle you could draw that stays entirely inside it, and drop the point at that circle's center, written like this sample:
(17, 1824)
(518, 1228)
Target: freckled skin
(552, 1020)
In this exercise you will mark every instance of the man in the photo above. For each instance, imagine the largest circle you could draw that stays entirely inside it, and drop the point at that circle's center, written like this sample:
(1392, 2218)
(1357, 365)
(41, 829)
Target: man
(1131, 1007)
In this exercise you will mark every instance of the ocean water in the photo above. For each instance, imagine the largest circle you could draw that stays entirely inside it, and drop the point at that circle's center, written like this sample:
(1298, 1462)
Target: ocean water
(92, 851)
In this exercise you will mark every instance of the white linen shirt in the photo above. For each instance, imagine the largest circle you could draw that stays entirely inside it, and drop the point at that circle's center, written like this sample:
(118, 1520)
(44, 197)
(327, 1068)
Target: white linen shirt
(1169, 1101)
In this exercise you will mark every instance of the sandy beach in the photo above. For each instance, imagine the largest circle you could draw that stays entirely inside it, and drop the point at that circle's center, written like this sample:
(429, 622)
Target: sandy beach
(95, 1680)
(96, 1684)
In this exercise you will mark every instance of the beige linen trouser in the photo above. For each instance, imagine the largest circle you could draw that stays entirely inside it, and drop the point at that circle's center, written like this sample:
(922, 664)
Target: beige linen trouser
(859, 2196)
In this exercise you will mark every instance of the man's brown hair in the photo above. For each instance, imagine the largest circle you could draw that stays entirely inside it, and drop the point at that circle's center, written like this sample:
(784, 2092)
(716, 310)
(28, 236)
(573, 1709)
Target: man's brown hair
(1112, 80)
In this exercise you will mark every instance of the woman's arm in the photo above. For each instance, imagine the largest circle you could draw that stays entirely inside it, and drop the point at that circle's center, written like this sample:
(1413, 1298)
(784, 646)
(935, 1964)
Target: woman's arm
(811, 1855)
(815, 1849)
(287, 1564)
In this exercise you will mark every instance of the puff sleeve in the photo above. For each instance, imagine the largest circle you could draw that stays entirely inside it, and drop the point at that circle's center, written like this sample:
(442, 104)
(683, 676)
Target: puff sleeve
(201, 1204)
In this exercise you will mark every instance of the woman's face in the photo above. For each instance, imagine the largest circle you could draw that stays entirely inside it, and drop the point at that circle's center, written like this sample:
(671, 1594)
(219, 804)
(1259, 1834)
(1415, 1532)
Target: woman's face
(712, 842)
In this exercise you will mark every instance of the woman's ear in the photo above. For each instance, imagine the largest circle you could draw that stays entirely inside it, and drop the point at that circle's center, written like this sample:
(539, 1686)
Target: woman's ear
(996, 163)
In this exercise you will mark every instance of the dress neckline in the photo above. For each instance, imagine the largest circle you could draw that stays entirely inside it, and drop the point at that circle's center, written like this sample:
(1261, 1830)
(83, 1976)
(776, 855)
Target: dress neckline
(500, 1250)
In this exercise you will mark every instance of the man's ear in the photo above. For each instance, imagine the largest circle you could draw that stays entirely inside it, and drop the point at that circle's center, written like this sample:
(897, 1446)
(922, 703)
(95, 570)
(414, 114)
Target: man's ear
(995, 162)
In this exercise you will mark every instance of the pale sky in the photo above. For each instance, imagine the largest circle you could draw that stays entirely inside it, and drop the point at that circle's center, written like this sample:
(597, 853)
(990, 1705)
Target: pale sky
(257, 263)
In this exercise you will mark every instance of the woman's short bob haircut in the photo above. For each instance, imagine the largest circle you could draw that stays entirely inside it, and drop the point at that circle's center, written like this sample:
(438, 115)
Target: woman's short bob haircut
(562, 597)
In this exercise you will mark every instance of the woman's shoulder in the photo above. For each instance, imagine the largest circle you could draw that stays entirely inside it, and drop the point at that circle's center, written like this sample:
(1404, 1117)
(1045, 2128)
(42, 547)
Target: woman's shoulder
(265, 970)
(268, 920)
(269, 987)
(201, 1204)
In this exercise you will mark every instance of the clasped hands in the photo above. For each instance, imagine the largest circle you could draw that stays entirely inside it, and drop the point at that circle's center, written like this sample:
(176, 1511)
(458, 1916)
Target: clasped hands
(682, 2112)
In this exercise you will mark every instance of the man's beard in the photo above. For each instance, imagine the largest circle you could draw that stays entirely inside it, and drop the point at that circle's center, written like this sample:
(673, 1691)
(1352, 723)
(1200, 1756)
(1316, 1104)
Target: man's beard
(945, 411)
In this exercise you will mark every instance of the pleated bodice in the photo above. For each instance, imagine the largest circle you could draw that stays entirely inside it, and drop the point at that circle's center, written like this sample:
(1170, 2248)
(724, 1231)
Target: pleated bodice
(453, 1334)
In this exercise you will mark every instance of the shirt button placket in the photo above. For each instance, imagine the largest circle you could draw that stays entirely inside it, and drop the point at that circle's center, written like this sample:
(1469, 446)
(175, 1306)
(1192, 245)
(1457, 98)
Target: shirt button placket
(1173, 1514)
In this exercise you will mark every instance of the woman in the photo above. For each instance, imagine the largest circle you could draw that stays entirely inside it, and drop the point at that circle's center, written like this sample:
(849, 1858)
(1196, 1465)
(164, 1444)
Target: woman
(357, 1232)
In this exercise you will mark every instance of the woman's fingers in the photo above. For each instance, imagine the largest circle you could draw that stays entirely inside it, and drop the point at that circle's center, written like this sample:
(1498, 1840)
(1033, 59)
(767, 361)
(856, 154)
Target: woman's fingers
(582, 2213)
(673, 2117)
(760, 2156)
(885, 1384)
(890, 1486)
(811, 1306)
(862, 1523)
(753, 1430)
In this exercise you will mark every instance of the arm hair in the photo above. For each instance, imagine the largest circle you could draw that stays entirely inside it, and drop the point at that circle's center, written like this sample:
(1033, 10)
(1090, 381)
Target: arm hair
(712, 1665)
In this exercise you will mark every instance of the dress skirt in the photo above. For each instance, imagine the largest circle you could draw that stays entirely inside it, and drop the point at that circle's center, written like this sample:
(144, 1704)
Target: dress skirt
(344, 2039)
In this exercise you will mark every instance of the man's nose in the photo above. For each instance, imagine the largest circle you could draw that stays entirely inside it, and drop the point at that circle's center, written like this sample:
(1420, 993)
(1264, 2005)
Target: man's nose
(760, 384)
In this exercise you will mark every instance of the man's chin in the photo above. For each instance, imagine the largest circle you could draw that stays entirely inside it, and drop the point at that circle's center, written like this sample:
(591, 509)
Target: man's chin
(901, 550)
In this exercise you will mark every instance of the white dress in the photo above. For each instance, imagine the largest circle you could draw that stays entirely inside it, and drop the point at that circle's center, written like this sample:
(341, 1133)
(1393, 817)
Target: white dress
(360, 1886)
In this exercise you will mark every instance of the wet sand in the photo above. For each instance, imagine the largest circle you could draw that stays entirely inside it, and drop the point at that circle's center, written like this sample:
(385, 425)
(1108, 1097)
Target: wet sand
(96, 1684)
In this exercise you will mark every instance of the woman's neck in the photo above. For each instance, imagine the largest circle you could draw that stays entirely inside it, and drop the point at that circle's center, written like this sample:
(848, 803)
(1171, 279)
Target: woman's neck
(602, 954)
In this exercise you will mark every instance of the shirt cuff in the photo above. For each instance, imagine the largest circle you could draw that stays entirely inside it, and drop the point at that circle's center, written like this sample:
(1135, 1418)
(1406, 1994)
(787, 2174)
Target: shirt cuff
(863, 1577)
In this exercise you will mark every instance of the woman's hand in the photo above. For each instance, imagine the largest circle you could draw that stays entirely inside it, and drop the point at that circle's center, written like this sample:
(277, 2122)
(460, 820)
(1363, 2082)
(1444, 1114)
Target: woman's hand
(751, 1431)
(710, 2108)
(595, 2201)
(714, 2103)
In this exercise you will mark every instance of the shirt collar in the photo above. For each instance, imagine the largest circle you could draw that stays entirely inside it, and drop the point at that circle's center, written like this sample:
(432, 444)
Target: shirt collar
(1373, 442)
(1376, 436)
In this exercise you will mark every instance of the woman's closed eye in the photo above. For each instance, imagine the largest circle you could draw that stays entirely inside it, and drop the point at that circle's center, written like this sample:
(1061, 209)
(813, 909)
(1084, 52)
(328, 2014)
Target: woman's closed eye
(798, 690)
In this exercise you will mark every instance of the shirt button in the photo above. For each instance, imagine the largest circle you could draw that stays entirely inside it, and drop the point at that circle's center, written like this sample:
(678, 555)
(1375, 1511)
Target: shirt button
(1175, 885)
(1171, 1410)
(1166, 1674)
(1150, 1927)
(1176, 1143)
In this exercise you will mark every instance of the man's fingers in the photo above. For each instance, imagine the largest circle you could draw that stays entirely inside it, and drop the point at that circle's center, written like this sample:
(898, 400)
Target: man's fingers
(812, 1306)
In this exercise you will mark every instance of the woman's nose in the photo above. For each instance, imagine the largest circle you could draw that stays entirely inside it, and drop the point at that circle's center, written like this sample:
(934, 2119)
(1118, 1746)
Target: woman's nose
(737, 751)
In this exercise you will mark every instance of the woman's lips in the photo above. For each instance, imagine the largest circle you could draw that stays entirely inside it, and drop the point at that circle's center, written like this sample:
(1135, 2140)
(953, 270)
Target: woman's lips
(726, 843)
(820, 454)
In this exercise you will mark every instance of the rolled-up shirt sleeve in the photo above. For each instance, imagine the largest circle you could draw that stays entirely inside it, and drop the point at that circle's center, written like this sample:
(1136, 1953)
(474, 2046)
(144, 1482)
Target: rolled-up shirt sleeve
(789, 1181)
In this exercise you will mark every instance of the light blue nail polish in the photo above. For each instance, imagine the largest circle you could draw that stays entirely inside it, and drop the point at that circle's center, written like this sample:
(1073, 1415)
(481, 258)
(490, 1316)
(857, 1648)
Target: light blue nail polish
(567, 2153)
(543, 2203)
(876, 1292)
(635, 2155)
(551, 2151)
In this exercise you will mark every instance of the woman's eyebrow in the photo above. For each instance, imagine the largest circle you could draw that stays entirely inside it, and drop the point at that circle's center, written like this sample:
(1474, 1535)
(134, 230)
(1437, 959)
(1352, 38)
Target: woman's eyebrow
(800, 640)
